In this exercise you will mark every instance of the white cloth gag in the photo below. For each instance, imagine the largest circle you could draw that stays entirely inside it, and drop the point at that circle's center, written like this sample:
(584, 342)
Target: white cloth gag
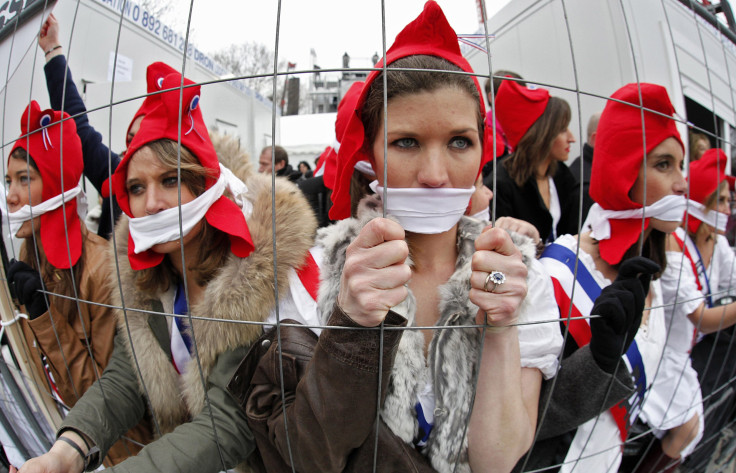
(366, 168)
(669, 208)
(14, 220)
(163, 227)
(425, 210)
(713, 218)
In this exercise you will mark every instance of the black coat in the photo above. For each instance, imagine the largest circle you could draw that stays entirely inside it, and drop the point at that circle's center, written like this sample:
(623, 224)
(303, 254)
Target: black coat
(525, 203)
(587, 158)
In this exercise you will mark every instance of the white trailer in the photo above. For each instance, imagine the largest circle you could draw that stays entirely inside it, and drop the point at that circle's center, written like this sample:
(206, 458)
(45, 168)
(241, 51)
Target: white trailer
(596, 46)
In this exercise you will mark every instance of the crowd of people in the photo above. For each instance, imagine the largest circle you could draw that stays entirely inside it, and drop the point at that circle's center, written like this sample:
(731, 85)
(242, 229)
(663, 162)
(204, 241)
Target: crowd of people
(370, 315)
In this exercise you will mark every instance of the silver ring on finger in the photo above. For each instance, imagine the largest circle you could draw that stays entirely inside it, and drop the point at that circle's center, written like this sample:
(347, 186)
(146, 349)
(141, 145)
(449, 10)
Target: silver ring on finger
(496, 278)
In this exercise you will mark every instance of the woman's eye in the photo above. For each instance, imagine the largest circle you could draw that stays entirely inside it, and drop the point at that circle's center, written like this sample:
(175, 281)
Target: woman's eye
(405, 142)
(24, 179)
(460, 142)
(663, 165)
(135, 189)
(170, 181)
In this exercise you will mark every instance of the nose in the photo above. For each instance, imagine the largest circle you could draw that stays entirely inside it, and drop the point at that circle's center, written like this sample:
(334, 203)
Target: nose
(13, 197)
(724, 207)
(155, 201)
(570, 136)
(433, 169)
(680, 185)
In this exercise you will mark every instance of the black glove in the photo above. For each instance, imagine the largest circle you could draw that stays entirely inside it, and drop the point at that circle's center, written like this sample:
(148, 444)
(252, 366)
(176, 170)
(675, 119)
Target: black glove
(620, 307)
(25, 285)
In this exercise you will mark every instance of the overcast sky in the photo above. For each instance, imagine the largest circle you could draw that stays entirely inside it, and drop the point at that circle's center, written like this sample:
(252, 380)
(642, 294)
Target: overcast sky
(330, 27)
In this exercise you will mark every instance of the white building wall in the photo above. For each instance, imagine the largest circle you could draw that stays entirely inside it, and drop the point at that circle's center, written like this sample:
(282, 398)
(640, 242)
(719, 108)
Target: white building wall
(531, 38)
(89, 36)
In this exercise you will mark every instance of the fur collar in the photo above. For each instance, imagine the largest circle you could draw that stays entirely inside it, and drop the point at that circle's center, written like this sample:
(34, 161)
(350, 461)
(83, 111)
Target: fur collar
(452, 355)
(242, 291)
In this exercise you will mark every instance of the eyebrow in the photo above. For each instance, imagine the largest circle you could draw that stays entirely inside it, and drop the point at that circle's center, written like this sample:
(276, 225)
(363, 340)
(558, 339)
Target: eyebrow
(400, 131)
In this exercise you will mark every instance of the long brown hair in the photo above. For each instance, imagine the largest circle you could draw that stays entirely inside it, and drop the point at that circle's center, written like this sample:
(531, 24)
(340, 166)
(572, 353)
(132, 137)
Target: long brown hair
(654, 248)
(536, 144)
(56, 280)
(214, 245)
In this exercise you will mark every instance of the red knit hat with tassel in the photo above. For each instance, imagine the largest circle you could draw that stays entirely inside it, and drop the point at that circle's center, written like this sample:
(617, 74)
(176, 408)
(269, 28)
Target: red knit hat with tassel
(155, 74)
(429, 34)
(518, 107)
(345, 110)
(165, 122)
(57, 152)
(705, 175)
(619, 154)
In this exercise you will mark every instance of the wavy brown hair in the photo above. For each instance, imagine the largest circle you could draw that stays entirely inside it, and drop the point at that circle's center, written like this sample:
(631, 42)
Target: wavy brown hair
(213, 244)
(536, 144)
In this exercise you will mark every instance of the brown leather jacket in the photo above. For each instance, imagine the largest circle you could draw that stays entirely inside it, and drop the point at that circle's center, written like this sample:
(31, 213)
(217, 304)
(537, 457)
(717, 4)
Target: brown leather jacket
(330, 387)
(68, 356)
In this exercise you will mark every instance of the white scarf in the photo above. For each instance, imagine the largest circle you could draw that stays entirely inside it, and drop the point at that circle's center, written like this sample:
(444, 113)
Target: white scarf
(163, 226)
(366, 168)
(425, 210)
(669, 208)
(713, 218)
(14, 220)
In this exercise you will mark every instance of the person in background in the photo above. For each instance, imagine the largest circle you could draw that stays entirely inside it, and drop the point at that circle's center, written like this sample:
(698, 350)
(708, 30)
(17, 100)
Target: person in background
(609, 362)
(99, 160)
(219, 264)
(463, 273)
(699, 144)
(582, 176)
(699, 262)
(714, 355)
(305, 169)
(280, 164)
(70, 340)
(533, 183)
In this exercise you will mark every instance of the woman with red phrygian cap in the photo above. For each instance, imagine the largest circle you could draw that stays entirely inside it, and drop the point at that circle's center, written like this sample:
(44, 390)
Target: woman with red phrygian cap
(191, 250)
(638, 188)
(466, 284)
(532, 184)
(99, 161)
(699, 264)
(71, 340)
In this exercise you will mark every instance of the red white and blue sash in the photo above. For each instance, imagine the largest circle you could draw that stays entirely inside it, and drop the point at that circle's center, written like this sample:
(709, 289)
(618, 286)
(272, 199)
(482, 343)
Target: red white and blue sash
(700, 272)
(181, 341)
(559, 261)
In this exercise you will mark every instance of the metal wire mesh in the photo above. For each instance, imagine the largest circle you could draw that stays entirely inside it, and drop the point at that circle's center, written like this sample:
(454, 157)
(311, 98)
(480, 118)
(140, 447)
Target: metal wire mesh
(565, 16)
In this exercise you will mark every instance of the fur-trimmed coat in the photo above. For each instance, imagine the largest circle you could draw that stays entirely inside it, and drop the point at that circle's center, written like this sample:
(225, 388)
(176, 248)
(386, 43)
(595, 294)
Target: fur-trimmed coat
(141, 375)
(341, 359)
(452, 355)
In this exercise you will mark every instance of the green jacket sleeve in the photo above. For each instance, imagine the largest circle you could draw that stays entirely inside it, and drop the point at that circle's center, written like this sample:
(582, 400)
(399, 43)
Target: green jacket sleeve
(195, 446)
(111, 406)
